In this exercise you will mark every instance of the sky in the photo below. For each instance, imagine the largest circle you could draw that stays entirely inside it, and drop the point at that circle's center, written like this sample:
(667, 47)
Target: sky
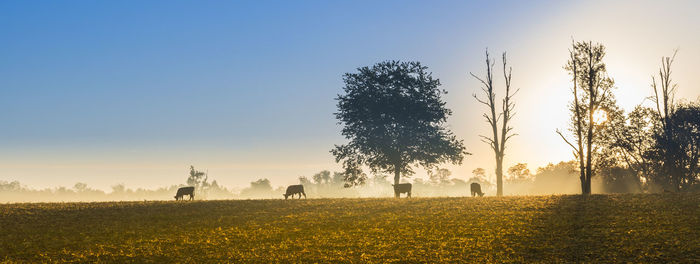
(134, 92)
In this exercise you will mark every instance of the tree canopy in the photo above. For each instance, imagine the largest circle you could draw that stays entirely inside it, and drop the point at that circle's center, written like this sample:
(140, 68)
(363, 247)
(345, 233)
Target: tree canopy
(394, 116)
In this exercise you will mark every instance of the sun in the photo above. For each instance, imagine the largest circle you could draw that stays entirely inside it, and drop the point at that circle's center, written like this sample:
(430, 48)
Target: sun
(600, 116)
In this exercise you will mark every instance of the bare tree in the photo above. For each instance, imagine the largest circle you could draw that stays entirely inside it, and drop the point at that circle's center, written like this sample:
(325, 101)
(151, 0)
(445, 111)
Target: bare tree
(667, 89)
(591, 80)
(497, 141)
(577, 120)
(678, 162)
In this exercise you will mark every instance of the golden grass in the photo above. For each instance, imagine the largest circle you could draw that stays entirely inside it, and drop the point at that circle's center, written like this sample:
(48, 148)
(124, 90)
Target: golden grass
(599, 228)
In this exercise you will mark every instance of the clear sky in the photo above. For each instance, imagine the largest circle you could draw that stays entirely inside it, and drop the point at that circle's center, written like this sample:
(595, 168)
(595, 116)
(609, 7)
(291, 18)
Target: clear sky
(133, 92)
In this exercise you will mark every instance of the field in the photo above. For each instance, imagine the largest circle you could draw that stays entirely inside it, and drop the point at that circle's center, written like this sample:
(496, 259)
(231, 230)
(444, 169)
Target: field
(599, 228)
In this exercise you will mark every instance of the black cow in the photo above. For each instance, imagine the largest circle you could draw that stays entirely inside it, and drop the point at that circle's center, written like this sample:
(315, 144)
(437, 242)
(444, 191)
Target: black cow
(184, 191)
(294, 189)
(402, 188)
(476, 189)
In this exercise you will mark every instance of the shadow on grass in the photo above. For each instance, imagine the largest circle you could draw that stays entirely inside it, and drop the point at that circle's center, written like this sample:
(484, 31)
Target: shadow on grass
(570, 230)
(616, 228)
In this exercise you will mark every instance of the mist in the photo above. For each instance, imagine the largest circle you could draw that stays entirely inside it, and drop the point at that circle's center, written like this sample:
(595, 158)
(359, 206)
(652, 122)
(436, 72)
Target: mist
(560, 178)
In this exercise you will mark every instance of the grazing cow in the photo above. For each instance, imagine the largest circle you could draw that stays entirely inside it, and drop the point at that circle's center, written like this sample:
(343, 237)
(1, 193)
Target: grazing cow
(294, 189)
(402, 188)
(184, 191)
(476, 189)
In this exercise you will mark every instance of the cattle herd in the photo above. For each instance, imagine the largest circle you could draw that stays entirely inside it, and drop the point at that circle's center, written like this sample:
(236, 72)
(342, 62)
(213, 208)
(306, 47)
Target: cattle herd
(299, 190)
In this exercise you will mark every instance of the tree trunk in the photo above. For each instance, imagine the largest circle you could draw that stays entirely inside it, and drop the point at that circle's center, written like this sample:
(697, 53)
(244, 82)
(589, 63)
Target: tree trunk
(591, 108)
(589, 158)
(397, 178)
(499, 176)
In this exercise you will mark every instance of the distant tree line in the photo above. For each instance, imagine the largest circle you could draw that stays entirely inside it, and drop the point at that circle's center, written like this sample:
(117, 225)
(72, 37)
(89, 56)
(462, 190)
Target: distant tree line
(324, 184)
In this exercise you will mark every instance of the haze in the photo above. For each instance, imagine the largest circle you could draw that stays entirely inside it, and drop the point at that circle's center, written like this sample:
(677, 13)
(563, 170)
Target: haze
(116, 92)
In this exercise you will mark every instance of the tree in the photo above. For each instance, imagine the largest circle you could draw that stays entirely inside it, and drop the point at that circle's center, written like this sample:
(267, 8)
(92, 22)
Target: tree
(338, 178)
(258, 188)
(304, 181)
(479, 176)
(197, 178)
(323, 177)
(440, 176)
(80, 187)
(592, 93)
(394, 116)
(628, 144)
(10, 186)
(519, 173)
(664, 95)
(679, 148)
(556, 178)
(497, 141)
(676, 142)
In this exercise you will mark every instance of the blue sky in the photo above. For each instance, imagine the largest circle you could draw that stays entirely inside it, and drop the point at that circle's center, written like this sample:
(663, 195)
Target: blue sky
(133, 92)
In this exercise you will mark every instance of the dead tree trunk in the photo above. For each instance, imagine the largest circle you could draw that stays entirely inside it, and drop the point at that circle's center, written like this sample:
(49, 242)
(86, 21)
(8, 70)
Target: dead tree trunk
(665, 108)
(497, 141)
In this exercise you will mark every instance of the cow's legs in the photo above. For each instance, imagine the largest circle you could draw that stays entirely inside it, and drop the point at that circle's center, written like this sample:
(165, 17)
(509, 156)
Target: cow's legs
(409, 195)
(303, 194)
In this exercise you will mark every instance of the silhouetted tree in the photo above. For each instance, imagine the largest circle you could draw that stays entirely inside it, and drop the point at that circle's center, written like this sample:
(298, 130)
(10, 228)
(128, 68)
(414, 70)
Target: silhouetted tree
(664, 95)
(338, 178)
(592, 95)
(259, 188)
(380, 179)
(440, 176)
(304, 181)
(479, 176)
(80, 187)
(323, 177)
(497, 141)
(394, 117)
(479, 173)
(197, 178)
(555, 178)
(519, 173)
(10, 186)
(678, 147)
(626, 148)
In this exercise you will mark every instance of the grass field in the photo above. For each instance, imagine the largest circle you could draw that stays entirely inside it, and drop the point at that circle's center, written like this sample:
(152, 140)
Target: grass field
(599, 228)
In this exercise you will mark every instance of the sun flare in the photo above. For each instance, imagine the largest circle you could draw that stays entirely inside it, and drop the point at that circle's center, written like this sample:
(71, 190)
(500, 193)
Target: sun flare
(600, 116)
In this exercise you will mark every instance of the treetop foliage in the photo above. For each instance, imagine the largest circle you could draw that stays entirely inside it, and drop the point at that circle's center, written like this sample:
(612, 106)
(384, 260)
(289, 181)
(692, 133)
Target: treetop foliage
(394, 117)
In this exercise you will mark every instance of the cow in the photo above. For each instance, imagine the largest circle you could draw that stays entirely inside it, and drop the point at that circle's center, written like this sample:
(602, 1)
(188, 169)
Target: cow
(184, 191)
(294, 189)
(476, 189)
(402, 188)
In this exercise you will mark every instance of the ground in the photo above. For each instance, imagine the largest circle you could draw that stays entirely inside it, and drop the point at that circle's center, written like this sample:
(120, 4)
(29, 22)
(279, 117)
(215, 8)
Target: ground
(600, 228)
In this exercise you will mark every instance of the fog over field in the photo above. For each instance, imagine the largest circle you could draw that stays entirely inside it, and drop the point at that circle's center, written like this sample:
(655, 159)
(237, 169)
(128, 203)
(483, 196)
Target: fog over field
(555, 179)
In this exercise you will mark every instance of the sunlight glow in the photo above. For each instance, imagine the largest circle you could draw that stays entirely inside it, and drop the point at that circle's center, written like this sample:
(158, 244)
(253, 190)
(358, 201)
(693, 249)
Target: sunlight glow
(600, 116)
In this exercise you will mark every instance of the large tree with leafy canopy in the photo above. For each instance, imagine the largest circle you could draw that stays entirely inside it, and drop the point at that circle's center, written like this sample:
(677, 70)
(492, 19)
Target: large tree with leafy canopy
(395, 118)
